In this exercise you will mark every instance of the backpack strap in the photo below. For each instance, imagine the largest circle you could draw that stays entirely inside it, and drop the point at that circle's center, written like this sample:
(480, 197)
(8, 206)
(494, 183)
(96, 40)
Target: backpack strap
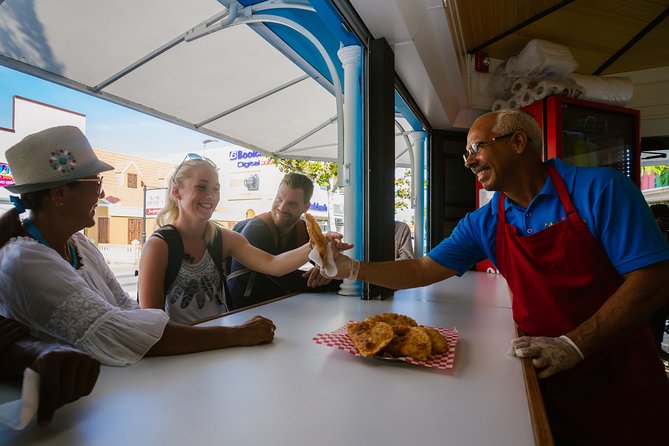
(175, 251)
(215, 249)
(266, 217)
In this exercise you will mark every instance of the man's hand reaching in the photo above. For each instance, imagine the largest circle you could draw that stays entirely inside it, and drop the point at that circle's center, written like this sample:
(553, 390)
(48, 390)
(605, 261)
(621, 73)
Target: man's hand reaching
(338, 245)
(314, 278)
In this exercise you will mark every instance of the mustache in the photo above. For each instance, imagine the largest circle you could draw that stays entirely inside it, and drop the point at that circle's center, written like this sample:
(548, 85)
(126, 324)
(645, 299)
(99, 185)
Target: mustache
(478, 167)
(278, 212)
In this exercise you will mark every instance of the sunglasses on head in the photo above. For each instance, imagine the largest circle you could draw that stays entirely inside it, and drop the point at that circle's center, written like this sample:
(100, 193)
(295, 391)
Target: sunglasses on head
(191, 156)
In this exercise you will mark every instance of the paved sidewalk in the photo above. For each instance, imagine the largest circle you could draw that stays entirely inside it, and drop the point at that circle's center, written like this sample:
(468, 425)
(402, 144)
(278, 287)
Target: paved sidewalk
(123, 269)
(125, 274)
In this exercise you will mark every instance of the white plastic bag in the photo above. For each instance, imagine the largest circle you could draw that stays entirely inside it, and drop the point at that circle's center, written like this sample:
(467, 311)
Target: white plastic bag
(538, 61)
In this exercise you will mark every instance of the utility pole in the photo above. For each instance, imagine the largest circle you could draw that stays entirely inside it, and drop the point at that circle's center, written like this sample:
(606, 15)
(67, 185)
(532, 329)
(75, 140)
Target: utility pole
(144, 217)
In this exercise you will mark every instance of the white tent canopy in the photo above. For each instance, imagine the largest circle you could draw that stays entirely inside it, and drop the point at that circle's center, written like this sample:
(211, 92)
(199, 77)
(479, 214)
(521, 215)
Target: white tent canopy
(232, 84)
(242, 83)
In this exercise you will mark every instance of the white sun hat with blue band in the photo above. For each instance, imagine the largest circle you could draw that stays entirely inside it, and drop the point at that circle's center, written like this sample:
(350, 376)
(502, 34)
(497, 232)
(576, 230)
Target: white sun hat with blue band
(51, 158)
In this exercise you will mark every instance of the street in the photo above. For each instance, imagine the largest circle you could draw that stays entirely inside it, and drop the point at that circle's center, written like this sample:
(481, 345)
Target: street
(125, 274)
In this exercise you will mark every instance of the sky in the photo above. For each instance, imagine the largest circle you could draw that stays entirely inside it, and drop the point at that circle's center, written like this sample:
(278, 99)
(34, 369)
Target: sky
(108, 126)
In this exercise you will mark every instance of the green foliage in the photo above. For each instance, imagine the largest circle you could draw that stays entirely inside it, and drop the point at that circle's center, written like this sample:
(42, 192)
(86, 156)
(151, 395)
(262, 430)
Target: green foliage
(661, 174)
(403, 191)
(323, 173)
(664, 177)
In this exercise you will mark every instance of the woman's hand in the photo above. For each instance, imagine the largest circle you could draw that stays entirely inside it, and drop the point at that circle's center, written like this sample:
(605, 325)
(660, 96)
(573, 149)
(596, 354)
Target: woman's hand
(255, 331)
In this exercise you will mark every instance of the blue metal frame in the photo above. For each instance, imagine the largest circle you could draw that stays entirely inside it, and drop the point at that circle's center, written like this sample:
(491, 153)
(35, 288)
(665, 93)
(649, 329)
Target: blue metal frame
(325, 23)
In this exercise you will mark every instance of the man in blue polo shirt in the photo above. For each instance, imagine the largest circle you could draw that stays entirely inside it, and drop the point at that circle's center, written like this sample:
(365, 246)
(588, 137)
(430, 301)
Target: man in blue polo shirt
(587, 267)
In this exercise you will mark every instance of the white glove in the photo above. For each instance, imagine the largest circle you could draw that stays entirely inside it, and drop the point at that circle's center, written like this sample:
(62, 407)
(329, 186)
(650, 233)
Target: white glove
(552, 355)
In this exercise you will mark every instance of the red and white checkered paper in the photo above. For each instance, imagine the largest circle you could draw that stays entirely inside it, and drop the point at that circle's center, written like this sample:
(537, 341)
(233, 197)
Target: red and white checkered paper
(339, 339)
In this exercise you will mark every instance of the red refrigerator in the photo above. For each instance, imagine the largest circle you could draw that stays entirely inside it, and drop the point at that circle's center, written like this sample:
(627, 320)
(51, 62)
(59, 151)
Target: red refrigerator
(584, 133)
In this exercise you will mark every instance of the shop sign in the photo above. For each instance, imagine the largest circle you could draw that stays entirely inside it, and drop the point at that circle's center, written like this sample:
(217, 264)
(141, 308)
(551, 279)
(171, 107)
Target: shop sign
(155, 201)
(244, 185)
(248, 158)
(318, 207)
(5, 175)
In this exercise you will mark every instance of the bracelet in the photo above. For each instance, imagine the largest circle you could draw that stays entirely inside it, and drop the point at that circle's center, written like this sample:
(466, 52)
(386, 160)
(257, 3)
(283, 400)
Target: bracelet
(570, 342)
(354, 269)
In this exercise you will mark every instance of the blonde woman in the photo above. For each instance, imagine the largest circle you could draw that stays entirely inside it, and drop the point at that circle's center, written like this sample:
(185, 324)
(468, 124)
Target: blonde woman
(56, 282)
(196, 290)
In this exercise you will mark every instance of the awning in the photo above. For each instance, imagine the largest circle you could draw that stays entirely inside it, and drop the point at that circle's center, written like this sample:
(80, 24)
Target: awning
(262, 85)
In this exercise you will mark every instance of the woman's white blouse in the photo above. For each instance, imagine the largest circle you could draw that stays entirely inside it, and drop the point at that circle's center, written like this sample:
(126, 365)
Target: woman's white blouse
(86, 308)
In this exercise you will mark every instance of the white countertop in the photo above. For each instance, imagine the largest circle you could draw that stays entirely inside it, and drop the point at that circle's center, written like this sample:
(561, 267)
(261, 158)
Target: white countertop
(295, 392)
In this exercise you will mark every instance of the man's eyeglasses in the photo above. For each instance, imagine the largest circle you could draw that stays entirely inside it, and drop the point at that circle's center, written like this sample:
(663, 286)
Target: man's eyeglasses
(475, 147)
(97, 180)
(191, 156)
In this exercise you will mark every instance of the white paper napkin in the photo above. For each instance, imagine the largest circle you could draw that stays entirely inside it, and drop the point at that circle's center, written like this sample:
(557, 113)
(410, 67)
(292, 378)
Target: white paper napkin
(330, 267)
(17, 414)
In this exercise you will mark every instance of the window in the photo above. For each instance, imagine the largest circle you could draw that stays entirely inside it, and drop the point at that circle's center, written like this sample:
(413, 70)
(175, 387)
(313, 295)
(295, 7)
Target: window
(134, 229)
(103, 229)
(132, 181)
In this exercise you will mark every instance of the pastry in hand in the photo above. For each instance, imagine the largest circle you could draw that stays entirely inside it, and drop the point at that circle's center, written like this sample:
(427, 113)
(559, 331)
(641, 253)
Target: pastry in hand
(316, 236)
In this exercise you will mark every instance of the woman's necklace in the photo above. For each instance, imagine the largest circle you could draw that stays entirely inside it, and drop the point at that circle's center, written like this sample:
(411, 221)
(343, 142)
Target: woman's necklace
(34, 232)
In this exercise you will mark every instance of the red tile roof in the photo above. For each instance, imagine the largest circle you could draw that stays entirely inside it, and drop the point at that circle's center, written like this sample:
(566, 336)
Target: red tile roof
(151, 173)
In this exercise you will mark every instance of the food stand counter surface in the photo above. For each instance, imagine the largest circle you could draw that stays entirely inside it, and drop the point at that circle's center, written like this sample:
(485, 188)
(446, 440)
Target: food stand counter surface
(295, 392)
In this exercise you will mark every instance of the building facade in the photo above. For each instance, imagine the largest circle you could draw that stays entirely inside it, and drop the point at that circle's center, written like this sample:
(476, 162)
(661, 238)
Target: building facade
(135, 190)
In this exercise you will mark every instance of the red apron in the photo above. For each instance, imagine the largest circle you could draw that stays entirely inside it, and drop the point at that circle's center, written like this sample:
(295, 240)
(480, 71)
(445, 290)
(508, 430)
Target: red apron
(559, 277)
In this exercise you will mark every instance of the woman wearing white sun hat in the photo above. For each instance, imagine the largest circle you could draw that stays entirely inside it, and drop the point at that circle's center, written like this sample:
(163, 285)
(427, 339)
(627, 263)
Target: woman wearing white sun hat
(56, 282)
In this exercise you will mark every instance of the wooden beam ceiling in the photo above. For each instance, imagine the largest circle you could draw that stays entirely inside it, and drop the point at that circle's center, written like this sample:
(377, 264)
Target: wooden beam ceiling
(594, 30)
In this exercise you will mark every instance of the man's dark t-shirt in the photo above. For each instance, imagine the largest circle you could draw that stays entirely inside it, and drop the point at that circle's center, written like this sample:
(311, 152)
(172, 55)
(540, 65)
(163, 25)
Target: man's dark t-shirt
(268, 287)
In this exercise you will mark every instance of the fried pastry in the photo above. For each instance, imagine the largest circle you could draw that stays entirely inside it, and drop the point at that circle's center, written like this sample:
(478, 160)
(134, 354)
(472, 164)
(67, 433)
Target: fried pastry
(416, 344)
(369, 338)
(316, 236)
(397, 335)
(439, 343)
(399, 322)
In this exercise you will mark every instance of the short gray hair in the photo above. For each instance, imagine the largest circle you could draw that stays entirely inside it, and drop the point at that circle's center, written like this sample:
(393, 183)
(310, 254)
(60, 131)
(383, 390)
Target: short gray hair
(512, 120)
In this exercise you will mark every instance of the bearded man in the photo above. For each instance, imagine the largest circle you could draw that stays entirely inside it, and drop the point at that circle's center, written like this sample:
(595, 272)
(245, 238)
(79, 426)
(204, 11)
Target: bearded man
(278, 231)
